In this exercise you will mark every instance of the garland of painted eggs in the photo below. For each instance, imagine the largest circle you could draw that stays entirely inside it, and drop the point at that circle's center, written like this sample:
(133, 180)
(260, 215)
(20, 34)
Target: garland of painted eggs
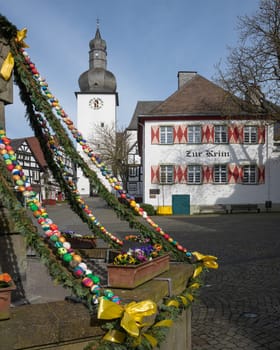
(97, 161)
(57, 155)
(55, 239)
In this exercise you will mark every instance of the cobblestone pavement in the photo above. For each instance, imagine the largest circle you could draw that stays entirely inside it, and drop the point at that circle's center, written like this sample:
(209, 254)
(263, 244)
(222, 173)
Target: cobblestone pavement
(239, 305)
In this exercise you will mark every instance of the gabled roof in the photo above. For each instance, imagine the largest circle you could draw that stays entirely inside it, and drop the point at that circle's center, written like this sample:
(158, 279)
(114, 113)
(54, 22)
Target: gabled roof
(200, 96)
(34, 145)
(142, 107)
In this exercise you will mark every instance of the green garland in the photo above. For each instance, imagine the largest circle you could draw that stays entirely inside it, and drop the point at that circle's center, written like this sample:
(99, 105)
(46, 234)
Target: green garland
(171, 309)
(24, 225)
(7, 197)
(56, 170)
(30, 93)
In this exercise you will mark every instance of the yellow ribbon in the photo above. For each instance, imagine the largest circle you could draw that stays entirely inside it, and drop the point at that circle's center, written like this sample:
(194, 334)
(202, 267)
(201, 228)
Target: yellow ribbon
(164, 323)
(132, 319)
(185, 300)
(152, 340)
(21, 35)
(114, 336)
(197, 271)
(173, 302)
(7, 67)
(207, 260)
(190, 297)
(8, 64)
(194, 285)
(132, 314)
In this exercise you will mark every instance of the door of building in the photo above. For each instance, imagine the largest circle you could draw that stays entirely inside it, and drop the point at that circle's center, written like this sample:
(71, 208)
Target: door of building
(181, 204)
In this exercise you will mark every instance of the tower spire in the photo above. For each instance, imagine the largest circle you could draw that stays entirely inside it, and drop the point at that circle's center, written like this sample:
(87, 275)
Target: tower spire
(97, 78)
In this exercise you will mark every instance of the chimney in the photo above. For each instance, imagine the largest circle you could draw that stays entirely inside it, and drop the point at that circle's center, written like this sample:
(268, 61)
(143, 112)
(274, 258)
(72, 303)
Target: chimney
(184, 77)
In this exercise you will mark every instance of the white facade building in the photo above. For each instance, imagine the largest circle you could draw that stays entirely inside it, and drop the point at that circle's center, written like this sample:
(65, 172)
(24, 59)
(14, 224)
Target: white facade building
(135, 178)
(96, 102)
(199, 148)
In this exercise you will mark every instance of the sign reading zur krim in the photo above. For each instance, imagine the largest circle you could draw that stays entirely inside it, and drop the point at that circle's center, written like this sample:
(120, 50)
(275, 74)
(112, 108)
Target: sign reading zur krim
(207, 153)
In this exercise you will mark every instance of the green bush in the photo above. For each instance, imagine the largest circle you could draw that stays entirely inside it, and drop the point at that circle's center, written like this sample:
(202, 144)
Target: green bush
(149, 209)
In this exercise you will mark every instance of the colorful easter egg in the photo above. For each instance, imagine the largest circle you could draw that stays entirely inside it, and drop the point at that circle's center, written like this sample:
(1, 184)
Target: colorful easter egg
(67, 257)
(78, 272)
(87, 282)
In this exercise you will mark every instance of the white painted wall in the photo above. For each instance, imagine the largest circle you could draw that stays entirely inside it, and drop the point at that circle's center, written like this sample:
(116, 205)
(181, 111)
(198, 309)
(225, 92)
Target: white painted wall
(208, 194)
(87, 119)
(273, 177)
(133, 157)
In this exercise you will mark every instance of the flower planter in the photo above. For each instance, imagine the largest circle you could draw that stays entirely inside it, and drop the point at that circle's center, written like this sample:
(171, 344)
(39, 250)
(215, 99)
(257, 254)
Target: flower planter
(5, 301)
(79, 241)
(131, 276)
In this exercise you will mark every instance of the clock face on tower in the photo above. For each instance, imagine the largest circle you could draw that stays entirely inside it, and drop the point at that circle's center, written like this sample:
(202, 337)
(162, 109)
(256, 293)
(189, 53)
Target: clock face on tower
(95, 103)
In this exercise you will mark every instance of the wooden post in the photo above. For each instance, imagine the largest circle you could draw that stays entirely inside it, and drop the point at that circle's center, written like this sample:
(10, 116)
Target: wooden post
(6, 87)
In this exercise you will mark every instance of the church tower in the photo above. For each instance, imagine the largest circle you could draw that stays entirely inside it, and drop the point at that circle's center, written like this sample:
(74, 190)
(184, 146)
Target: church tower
(97, 99)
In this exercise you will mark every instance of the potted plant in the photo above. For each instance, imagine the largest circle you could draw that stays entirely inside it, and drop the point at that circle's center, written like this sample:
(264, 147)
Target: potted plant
(6, 287)
(79, 241)
(138, 263)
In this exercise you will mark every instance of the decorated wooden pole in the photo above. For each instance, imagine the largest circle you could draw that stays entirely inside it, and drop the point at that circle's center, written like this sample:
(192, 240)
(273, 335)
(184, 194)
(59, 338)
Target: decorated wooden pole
(6, 85)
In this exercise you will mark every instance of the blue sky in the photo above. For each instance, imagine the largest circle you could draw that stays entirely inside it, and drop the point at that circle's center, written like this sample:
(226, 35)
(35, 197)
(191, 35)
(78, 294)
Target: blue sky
(148, 42)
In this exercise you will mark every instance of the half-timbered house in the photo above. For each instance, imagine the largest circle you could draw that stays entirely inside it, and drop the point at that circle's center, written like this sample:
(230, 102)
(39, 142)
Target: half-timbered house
(31, 157)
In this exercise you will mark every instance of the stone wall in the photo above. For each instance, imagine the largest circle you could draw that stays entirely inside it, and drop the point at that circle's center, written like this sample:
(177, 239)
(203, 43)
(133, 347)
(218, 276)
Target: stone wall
(65, 325)
(12, 252)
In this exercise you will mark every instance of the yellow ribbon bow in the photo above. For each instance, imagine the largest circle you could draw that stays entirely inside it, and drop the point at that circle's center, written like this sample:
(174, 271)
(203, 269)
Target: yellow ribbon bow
(21, 35)
(132, 314)
(8, 64)
(208, 261)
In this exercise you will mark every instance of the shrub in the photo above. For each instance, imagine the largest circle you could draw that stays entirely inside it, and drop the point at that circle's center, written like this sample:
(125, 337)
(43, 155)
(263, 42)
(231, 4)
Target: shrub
(149, 209)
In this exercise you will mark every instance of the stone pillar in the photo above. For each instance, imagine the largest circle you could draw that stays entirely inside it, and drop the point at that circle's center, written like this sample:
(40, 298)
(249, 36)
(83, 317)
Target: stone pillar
(12, 244)
(12, 253)
(6, 87)
(179, 335)
(13, 259)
